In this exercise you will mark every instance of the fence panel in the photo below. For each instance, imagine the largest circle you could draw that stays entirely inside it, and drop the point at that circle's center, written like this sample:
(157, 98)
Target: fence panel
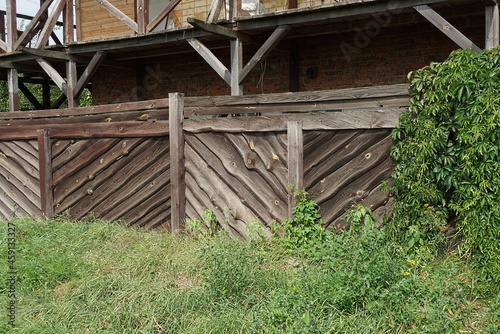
(345, 167)
(241, 177)
(19, 179)
(113, 178)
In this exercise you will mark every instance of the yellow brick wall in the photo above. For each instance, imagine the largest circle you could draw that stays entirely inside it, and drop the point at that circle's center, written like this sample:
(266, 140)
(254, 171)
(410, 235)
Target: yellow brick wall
(95, 22)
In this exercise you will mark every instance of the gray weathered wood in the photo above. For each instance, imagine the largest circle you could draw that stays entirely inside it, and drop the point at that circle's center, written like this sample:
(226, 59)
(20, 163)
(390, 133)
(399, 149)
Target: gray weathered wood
(71, 80)
(110, 130)
(449, 30)
(211, 59)
(50, 24)
(162, 15)
(264, 50)
(140, 16)
(310, 121)
(13, 83)
(11, 25)
(214, 11)
(3, 45)
(177, 162)
(89, 72)
(53, 74)
(118, 14)
(236, 66)
(295, 162)
(492, 26)
(45, 161)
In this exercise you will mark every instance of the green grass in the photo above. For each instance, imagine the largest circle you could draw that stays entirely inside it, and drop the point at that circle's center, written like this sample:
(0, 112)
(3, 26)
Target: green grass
(97, 277)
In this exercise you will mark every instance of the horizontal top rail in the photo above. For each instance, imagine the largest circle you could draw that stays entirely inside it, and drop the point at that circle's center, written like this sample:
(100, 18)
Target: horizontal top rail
(375, 97)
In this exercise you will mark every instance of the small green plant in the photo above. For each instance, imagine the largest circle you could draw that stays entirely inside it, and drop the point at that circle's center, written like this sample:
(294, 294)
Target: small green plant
(303, 231)
(208, 227)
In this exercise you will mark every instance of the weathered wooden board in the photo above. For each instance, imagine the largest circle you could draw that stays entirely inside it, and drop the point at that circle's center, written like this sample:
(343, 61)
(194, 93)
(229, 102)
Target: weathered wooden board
(115, 179)
(19, 180)
(235, 176)
(347, 169)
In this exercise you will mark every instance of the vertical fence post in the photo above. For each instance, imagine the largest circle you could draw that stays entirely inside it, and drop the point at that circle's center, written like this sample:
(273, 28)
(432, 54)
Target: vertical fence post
(45, 165)
(295, 145)
(177, 166)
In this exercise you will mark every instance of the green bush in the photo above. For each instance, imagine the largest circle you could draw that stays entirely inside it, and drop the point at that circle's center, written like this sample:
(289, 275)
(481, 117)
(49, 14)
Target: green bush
(447, 157)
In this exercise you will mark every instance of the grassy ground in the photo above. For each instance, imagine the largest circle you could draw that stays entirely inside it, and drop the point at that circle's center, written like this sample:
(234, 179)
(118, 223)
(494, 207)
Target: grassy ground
(97, 277)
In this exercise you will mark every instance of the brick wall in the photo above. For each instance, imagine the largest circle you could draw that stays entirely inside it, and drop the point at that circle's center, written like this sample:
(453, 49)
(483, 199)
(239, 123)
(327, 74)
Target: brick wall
(341, 61)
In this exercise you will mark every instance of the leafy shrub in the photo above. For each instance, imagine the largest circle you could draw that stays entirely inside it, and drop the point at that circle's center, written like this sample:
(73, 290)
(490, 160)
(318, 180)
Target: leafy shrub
(303, 232)
(447, 156)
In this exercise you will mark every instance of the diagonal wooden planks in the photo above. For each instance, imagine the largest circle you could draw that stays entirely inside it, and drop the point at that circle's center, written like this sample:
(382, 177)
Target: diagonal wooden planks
(19, 179)
(347, 169)
(239, 177)
(115, 179)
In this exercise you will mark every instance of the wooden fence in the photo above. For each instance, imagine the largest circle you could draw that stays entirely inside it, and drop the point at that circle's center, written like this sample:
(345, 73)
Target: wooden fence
(163, 162)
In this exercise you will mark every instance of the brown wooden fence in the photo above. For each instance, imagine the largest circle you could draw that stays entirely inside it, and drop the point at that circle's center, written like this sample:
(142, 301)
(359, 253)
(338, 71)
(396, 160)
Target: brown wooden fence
(163, 162)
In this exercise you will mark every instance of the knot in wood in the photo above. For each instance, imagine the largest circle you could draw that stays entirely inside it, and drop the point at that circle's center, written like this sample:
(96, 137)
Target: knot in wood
(368, 155)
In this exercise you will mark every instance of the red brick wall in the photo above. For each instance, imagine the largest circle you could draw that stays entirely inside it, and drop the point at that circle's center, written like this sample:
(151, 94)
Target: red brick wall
(386, 58)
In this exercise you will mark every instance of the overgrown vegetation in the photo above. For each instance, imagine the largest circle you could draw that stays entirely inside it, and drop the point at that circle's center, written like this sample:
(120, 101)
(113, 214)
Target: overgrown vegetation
(447, 157)
(77, 277)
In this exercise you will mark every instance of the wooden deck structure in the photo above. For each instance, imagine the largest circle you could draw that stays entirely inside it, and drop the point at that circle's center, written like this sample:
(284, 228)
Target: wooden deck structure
(163, 162)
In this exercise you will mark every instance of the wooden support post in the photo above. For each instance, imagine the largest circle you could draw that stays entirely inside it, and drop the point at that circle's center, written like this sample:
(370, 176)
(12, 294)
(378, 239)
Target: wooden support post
(13, 83)
(46, 95)
(292, 4)
(11, 25)
(236, 66)
(45, 165)
(177, 162)
(3, 44)
(69, 23)
(295, 162)
(492, 26)
(294, 76)
(71, 81)
(140, 16)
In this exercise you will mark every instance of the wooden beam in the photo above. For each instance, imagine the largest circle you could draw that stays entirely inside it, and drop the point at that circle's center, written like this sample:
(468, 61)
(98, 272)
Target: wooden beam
(53, 74)
(140, 16)
(45, 168)
(449, 30)
(89, 72)
(3, 45)
(48, 28)
(295, 147)
(214, 11)
(492, 26)
(68, 23)
(177, 162)
(217, 29)
(86, 130)
(13, 83)
(71, 81)
(11, 25)
(162, 15)
(236, 66)
(33, 100)
(211, 59)
(118, 14)
(345, 120)
(264, 51)
(48, 54)
(33, 23)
